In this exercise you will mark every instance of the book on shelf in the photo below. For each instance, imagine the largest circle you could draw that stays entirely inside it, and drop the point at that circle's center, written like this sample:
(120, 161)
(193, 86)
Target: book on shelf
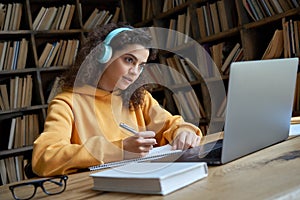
(73, 52)
(150, 178)
(217, 54)
(188, 71)
(2, 104)
(19, 92)
(55, 89)
(183, 107)
(238, 56)
(70, 17)
(106, 19)
(208, 20)
(276, 6)
(7, 17)
(147, 10)
(2, 14)
(196, 70)
(295, 3)
(47, 19)
(181, 22)
(16, 48)
(4, 95)
(171, 37)
(3, 50)
(91, 18)
(19, 167)
(285, 5)
(267, 8)
(61, 54)
(201, 21)
(215, 17)
(229, 58)
(116, 15)
(297, 37)
(68, 53)
(28, 91)
(9, 57)
(22, 57)
(255, 9)
(12, 133)
(16, 18)
(262, 9)
(3, 173)
(275, 46)
(58, 16)
(64, 18)
(12, 169)
(60, 51)
(38, 18)
(52, 54)
(197, 108)
(26, 130)
(291, 37)
(45, 54)
(13, 92)
(223, 16)
(187, 28)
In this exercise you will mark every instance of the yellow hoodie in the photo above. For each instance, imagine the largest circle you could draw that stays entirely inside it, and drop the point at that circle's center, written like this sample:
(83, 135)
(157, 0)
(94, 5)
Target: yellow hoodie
(82, 130)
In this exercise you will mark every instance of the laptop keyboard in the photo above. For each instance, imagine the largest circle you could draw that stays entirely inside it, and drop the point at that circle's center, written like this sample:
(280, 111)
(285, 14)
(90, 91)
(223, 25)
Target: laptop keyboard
(210, 153)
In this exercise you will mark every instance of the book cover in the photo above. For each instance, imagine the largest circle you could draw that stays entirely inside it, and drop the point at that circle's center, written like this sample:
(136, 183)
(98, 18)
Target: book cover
(150, 178)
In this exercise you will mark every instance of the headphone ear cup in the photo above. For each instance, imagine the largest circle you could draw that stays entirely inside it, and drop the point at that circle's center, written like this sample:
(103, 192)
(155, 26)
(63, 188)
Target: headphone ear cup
(107, 53)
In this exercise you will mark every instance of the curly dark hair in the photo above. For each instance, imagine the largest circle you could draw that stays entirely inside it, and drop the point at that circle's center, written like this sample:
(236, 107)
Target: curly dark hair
(90, 74)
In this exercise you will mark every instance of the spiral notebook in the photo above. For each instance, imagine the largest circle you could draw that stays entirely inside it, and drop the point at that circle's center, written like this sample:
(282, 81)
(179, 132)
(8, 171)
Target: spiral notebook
(155, 154)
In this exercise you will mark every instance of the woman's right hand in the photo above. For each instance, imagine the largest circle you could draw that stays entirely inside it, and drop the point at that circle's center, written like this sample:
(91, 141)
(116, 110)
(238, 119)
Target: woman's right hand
(138, 145)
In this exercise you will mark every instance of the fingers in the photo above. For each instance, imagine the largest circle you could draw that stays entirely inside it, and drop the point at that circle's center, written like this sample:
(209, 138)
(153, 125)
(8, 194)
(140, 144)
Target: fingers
(139, 148)
(186, 140)
(140, 143)
(146, 134)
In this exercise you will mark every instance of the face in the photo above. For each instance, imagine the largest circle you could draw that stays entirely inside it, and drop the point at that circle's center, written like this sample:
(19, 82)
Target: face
(122, 70)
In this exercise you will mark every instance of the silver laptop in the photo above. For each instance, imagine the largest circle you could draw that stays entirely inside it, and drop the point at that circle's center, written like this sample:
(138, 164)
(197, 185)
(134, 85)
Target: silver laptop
(259, 108)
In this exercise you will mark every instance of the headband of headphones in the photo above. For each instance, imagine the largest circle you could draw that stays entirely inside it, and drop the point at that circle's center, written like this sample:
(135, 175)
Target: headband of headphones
(107, 52)
(113, 33)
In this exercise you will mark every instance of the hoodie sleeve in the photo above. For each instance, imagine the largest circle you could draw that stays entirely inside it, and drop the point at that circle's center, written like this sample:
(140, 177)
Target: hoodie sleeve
(59, 149)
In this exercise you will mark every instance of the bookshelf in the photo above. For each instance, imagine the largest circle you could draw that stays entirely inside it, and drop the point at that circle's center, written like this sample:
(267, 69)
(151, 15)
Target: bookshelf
(33, 53)
(229, 31)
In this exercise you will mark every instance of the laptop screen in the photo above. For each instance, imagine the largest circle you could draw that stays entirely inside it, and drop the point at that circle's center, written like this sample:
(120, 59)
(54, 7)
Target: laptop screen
(259, 105)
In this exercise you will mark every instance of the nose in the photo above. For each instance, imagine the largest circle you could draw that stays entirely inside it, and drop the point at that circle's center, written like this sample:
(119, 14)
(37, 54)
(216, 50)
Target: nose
(135, 69)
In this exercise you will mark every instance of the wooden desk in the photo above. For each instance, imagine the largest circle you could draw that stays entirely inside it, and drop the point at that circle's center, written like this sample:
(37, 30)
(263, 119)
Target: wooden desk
(271, 173)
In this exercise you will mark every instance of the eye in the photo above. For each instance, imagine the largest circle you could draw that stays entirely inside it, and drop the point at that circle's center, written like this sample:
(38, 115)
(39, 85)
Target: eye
(129, 59)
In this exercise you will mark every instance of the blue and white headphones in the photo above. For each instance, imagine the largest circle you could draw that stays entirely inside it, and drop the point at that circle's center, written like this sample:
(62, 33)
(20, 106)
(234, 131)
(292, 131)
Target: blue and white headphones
(107, 52)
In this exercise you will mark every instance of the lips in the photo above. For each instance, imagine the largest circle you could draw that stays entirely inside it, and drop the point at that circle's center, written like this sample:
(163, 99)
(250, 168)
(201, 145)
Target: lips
(127, 79)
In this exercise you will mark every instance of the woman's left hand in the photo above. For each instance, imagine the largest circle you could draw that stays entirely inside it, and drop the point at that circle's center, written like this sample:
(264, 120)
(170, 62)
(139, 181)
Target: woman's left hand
(185, 140)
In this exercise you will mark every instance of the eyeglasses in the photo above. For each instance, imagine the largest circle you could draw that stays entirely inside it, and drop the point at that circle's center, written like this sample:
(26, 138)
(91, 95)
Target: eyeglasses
(50, 186)
(139, 68)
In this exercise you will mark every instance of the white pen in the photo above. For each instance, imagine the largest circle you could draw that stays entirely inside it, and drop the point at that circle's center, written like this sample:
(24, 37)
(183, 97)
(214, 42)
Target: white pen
(128, 128)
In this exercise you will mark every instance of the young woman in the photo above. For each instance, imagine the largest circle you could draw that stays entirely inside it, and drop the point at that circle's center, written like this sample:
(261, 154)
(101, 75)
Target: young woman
(101, 90)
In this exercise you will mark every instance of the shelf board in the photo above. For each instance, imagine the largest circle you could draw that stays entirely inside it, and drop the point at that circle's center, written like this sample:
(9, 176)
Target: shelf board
(20, 111)
(15, 152)
(271, 19)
